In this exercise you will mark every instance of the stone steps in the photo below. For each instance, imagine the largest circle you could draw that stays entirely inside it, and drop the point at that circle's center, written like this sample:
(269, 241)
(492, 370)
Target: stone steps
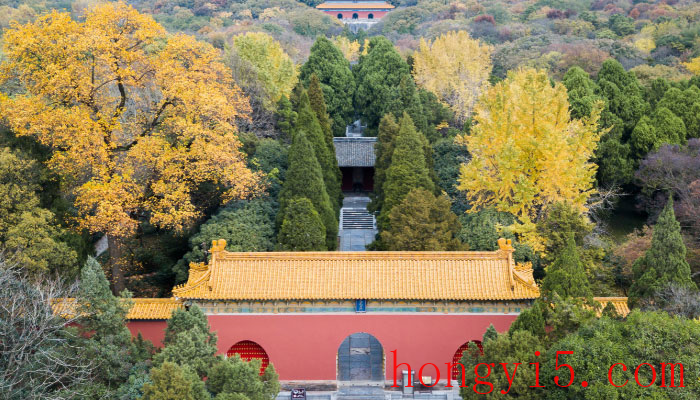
(356, 218)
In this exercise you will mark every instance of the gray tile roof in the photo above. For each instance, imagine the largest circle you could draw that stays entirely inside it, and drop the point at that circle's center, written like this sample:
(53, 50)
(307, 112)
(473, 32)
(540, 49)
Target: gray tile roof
(355, 152)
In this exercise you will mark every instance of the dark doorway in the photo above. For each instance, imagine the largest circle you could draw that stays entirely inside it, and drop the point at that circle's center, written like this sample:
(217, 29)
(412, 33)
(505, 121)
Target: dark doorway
(354, 16)
(370, 16)
(340, 16)
(360, 358)
(357, 179)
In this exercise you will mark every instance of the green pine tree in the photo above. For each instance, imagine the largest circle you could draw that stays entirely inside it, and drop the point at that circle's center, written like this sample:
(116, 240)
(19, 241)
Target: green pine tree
(385, 85)
(664, 263)
(302, 229)
(286, 117)
(490, 334)
(581, 90)
(422, 222)
(336, 79)
(171, 381)
(305, 179)
(566, 276)
(107, 341)
(318, 105)
(235, 377)
(307, 123)
(408, 169)
(188, 341)
(664, 127)
(384, 149)
(531, 319)
(624, 106)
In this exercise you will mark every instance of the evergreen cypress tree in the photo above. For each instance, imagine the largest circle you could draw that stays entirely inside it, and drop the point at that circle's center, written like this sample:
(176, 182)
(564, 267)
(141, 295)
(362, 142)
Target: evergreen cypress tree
(663, 128)
(581, 90)
(188, 341)
(422, 222)
(566, 276)
(624, 105)
(385, 85)
(490, 334)
(531, 319)
(336, 79)
(408, 169)
(107, 339)
(664, 263)
(307, 123)
(286, 117)
(384, 149)
(236, 379)
(305, 179)
(302, 229)
(318, 105)
(173, 382)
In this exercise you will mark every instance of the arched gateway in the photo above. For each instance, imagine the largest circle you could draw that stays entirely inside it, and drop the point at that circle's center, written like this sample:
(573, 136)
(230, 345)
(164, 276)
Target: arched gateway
(301, 307)
(249, 350)
(360, 358)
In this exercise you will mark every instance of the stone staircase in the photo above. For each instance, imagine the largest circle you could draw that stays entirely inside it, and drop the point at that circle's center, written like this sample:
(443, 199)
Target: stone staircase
(357, 218)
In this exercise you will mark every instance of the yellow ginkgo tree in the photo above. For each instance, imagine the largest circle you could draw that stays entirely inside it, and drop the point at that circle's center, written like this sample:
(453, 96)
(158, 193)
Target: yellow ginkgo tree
(527, 152)
(350, 49)
(693, 65)
(136, 119)
(455, 68)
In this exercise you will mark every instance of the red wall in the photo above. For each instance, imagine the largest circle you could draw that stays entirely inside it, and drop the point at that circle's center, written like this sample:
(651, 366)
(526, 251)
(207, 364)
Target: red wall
(151, 330)
(304, 347)
(360, 14)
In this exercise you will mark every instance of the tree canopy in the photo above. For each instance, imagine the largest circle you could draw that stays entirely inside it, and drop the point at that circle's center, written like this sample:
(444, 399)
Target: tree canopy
(455, 68)
(526, 150)
(136, 119)
(337, 81)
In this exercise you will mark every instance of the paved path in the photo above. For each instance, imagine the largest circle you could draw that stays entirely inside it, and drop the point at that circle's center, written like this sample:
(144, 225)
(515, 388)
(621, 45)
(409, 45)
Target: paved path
(353, 238)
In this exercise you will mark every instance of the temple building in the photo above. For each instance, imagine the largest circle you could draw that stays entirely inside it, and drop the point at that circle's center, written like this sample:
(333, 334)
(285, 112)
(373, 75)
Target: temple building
(356, 158)
(336, 316)
(330, 318)
(354, 10)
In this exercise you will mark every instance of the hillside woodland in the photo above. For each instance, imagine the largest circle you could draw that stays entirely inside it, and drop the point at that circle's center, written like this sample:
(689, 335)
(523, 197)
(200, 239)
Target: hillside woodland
(571, 127)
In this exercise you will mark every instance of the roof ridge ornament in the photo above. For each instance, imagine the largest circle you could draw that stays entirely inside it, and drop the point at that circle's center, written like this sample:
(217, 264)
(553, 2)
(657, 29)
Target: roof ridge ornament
(218, 246)
(506, 246)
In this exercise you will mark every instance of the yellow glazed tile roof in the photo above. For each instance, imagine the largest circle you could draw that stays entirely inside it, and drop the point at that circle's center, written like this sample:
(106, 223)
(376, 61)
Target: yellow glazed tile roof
(145, 308)
(142, 308)
(354, 6)
(620, 304)
(359, 275)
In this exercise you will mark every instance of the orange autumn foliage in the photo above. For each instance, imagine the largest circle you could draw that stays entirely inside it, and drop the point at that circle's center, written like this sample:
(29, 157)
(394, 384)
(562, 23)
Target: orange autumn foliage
(136, 118)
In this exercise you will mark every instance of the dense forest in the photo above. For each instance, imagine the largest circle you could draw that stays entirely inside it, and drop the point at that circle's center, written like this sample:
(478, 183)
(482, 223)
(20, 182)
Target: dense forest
(571, 127)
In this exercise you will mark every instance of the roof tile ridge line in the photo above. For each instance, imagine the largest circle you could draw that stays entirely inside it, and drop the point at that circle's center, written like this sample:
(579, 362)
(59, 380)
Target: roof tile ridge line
(230, 255)
(185, 287)
(613, 298)
(165, 300)
(527, 284)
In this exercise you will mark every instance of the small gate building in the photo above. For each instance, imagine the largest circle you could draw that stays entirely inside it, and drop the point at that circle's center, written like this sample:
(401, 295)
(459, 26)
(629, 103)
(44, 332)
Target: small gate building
(354, 10)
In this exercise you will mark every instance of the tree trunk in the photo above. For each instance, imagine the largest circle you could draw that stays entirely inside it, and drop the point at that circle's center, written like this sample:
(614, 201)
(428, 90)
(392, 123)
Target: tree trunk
(116, 264)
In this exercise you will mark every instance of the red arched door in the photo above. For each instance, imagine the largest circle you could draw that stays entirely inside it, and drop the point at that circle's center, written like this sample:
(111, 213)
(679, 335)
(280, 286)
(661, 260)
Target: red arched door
(249, 350)
(458, 356)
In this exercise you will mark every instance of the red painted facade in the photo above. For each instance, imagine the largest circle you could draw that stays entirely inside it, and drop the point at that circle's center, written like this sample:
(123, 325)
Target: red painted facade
(305, 346)
(348, 14)
(153, 330)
